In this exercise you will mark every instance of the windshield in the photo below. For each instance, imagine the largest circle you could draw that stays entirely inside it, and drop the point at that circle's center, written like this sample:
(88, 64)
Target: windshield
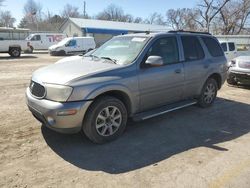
(123, 50)
(29, 37)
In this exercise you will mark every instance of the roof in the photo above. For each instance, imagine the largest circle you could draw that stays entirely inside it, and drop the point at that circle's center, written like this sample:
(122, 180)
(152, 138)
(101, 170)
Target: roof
(113, 25)
(13, 29)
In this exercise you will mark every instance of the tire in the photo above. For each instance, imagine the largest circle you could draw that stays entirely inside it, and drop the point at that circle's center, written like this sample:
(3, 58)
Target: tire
(231, 80)
(15, 52)
(99, 125)
(208, 93)
(62, 53)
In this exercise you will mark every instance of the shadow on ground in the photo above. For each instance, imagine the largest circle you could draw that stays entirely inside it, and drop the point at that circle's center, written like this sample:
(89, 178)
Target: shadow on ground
(26, 56)
(148, 142)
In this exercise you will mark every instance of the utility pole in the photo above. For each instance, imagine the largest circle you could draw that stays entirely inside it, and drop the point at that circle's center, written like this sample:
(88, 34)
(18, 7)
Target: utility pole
(84, 9)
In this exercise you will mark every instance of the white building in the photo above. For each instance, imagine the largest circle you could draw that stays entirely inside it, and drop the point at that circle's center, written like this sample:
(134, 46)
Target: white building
(104, 30)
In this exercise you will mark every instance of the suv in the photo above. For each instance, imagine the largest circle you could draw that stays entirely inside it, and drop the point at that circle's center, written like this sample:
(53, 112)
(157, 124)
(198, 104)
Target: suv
(137, 75)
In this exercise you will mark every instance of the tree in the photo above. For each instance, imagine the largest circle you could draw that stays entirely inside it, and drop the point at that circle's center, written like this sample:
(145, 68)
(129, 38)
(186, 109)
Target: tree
(208, 9)
(33, 11)
(138, 20)
(70, 11)
(114, 13)
(233, 16)
(155, 18)
(182, 19)
(6, 19)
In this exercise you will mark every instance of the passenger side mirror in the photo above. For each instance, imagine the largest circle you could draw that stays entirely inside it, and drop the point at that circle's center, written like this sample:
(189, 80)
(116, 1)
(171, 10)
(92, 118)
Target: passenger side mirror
(154, 61)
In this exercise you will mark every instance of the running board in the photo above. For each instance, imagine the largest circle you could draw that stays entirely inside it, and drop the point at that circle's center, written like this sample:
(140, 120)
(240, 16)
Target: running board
(163, 110)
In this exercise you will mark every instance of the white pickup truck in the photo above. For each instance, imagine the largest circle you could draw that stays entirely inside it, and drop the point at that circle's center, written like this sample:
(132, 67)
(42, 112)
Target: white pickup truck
(13, 47)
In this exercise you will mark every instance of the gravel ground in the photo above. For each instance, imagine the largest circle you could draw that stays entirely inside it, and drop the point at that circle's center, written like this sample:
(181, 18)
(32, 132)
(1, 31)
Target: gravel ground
(192, 147)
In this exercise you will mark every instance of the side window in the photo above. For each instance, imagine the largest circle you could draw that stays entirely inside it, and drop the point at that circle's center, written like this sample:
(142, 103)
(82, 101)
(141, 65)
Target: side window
(231, 46)
(72, 43)
(36, 38)
(166, 48)
(213, 46)
(224, 46)
(192, 48)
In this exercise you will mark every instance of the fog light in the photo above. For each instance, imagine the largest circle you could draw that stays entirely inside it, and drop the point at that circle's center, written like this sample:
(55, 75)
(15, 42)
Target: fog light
(67, 112)
(51, 121)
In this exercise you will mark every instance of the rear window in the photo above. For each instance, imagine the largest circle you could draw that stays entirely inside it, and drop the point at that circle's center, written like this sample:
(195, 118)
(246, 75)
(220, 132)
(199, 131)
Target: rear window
(224, 46)
(192, 48)
(213, 46)
(231, 46)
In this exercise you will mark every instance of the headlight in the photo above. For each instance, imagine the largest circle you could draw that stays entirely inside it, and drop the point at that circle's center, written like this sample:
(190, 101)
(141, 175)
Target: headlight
(58, 93)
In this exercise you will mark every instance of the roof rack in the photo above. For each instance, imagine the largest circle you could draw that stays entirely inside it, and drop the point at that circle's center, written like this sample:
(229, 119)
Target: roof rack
(183, 31)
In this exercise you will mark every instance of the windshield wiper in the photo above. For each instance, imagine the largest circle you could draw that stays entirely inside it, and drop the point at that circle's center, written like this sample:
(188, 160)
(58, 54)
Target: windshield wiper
(93, 56)
(110, 59)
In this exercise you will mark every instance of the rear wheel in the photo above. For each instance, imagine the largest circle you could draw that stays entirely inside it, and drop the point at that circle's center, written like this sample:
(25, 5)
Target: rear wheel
(105, 120)
(15, 52)
(208, 93)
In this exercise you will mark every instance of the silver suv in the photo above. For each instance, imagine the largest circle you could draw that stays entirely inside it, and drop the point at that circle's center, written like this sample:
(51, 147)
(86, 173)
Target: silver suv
(136, 75)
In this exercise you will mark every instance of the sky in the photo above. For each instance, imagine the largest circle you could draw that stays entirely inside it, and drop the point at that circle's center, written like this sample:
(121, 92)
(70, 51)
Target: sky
(137, 8)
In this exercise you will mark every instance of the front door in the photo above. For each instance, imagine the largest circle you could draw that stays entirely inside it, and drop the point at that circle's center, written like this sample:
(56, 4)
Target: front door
(160, 85)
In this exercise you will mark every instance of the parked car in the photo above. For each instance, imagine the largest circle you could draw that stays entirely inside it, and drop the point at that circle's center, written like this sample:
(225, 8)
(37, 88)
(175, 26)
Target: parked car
(73, 45)
(229, 49)
(13, 47)
(42, 41)
(137, 75)
(239, 71)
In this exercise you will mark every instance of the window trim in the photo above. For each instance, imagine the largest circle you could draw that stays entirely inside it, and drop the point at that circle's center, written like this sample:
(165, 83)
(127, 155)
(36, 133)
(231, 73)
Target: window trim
(204, 54)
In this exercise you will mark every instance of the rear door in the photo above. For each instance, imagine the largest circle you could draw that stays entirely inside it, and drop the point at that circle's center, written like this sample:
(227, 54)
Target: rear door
(160, 85)
(195, 65)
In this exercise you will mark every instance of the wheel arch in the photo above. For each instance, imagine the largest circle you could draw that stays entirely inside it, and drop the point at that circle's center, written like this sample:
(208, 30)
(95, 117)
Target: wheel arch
(14, 46)
(121, 95)
(217, 78)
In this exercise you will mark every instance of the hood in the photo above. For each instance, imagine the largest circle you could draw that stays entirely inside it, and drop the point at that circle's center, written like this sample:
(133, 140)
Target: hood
(71, 68)
(53, 46)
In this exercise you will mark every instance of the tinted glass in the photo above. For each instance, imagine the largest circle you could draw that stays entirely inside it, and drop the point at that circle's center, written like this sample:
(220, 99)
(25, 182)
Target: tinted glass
(192, 48)
(213, 46)
(72, 43)
(166, 48)
(231, 46)
(224, 46)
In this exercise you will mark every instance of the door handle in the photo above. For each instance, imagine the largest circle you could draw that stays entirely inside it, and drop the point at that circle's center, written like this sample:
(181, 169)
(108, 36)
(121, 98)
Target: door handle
(177, 71)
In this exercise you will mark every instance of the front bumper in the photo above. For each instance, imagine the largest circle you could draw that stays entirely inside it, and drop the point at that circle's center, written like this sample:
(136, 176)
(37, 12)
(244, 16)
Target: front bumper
(47, 113)
(242, 77)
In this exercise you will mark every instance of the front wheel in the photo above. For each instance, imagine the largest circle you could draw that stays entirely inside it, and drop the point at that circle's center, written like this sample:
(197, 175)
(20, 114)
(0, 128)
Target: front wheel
(15, 52)
(208, 93)
(105, 120)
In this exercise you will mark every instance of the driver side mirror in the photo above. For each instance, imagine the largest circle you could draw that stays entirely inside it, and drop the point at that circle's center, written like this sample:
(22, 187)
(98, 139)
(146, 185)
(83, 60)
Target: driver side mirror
(154, 61)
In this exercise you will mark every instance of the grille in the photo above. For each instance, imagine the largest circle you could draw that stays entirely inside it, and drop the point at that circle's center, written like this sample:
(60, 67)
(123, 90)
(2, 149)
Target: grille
(37, 90)
(244, 65)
